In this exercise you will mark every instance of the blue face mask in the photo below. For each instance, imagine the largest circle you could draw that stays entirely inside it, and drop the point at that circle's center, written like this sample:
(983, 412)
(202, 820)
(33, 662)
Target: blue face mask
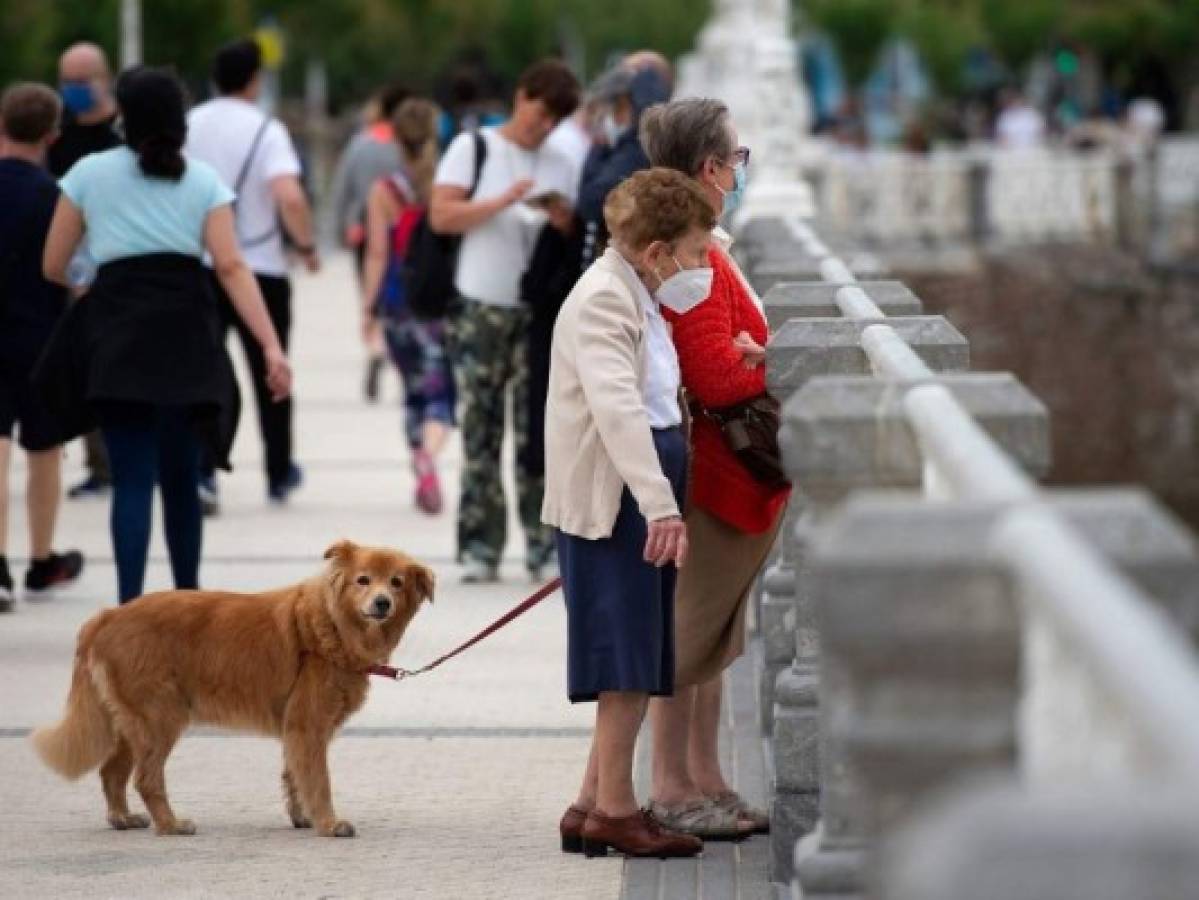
(732, 198)
(77, 96)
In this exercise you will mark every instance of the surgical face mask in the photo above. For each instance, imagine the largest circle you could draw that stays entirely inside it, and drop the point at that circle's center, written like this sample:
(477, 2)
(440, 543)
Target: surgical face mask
(78, 96)
(685, 289)
(733, 198)
(613, 131)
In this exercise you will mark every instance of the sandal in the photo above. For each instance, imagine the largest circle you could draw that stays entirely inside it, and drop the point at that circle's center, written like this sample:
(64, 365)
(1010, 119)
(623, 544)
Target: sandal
(702, 819)
(732, 803)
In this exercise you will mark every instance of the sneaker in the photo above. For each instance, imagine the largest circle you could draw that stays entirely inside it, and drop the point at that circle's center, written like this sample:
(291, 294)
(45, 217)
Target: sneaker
(55, 570)
(210, 498)
(475, 571)
(374, 368)
(91, 487)
(278, 493)
(428, 488)
(6, 589)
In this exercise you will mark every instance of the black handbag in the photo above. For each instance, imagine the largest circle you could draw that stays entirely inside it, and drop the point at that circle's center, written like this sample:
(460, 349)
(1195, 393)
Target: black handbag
(751, 430)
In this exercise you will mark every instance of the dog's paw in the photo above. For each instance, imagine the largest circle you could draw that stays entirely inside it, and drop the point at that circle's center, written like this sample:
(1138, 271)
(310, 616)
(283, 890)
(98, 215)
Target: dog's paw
(123, 822)
(179, 826)
(300, 821)
(337, 829)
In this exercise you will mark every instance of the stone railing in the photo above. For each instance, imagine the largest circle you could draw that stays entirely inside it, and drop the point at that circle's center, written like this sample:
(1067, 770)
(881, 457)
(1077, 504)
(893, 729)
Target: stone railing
(932, 616)
(984, 196)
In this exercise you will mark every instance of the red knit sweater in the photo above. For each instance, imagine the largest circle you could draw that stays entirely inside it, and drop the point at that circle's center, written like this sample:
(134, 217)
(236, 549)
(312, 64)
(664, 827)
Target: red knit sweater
(714, 374)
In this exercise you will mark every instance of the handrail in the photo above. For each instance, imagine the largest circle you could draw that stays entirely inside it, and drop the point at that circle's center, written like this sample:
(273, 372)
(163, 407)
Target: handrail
(1103, 617)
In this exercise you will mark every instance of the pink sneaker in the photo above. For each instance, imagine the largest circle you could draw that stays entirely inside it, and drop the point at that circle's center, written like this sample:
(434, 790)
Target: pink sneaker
(428, 488)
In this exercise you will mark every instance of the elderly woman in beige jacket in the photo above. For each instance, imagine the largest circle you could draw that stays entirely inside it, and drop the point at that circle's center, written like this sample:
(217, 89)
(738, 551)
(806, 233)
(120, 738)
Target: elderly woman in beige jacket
(616, 461)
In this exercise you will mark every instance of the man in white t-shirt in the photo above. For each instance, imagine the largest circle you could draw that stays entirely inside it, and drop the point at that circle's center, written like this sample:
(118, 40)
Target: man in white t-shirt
(523, 185)
(254, 155)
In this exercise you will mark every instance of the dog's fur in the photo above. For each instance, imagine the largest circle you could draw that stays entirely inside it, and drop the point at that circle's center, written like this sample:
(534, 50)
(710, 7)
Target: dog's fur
(289, 663)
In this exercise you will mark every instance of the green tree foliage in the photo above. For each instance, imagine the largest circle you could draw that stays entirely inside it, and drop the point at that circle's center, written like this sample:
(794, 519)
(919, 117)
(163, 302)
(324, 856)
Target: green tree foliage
(362, 42)
(858, 27)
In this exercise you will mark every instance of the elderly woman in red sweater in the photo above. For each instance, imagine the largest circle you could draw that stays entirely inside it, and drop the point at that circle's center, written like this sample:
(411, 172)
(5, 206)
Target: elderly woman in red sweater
(732, 518)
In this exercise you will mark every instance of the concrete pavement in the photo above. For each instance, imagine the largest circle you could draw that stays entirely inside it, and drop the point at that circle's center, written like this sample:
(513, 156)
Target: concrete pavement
(455, 781)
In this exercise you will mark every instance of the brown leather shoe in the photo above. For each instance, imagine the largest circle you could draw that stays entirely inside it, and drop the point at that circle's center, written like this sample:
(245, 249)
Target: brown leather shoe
(637, 835)
(571, 829)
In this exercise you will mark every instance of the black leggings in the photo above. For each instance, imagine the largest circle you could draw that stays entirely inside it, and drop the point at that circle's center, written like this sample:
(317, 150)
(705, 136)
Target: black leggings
(150, 445)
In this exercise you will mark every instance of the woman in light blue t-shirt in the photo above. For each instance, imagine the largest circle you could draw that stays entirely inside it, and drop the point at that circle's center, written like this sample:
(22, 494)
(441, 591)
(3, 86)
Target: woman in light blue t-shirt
(141, 354)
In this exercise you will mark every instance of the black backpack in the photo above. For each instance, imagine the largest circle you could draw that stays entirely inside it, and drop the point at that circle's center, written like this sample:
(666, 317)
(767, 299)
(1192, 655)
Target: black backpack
(431, 263)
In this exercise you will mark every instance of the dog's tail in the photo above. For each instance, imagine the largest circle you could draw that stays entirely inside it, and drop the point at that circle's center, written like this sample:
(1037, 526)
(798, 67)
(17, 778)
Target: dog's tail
(84, 738)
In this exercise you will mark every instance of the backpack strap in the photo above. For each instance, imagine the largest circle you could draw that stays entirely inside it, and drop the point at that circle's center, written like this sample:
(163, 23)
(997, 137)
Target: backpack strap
(480, 158)
(401, 188)
(242, 175)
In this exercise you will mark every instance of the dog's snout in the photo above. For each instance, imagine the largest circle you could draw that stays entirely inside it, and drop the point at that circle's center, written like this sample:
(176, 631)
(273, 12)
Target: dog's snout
(381, 605)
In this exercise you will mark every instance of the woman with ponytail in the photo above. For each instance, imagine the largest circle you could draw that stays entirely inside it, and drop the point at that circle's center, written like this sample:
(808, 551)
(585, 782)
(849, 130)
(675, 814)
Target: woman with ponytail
(395, 207)
(141, 354)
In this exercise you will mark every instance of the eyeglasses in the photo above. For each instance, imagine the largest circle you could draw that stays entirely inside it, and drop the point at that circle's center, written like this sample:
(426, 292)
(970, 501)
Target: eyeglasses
(740, 158)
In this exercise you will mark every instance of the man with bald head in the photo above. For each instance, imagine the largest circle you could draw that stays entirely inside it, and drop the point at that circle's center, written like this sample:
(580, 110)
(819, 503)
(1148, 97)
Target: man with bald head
(650, 59)
(89, 117)
(85, 83)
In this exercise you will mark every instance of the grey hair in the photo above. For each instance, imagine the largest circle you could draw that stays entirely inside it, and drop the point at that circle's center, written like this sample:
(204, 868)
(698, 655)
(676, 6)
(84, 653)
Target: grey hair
(684, 134)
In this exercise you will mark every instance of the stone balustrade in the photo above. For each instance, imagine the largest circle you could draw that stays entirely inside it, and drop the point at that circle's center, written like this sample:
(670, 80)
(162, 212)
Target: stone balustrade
(932, 616)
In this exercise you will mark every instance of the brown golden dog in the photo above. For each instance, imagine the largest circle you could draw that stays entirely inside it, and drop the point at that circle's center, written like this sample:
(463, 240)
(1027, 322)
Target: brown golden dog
(289, 663)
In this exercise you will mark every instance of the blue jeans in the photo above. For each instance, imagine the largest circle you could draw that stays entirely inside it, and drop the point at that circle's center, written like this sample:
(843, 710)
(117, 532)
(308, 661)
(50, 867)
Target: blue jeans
(149, 445)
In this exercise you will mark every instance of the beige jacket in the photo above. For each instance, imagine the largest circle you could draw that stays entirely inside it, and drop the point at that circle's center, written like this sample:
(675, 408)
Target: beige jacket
(597, 434)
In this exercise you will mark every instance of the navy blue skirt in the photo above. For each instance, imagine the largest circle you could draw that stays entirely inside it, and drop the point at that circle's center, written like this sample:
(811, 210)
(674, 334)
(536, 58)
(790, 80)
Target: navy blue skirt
(619, 608)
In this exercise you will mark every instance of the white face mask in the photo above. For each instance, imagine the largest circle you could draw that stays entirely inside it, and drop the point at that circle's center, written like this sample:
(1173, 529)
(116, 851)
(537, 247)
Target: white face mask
(612, 130)
(685, 289)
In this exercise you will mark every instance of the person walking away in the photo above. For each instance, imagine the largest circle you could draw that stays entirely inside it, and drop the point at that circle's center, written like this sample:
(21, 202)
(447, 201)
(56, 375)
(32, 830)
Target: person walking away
(254, 156)
(370, 155)
(616, 467)
(488, 325)
(395, 206)
(89, 126)
(29, 308)
(732, 516)
(141, 353)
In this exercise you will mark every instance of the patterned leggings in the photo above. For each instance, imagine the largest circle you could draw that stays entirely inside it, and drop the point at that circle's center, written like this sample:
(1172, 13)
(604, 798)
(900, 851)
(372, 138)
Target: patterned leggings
(418, 350)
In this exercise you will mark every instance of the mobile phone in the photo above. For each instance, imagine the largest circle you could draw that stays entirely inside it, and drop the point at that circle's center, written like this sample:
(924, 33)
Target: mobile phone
(546, 200)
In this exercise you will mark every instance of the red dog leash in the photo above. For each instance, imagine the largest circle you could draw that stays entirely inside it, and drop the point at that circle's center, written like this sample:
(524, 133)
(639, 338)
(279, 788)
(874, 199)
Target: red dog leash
(515, 613)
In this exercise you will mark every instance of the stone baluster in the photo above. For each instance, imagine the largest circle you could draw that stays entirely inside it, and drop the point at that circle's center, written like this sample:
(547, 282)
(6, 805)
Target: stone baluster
(922, 645)
(800, 349)
(841, 434)
(999, 841)
(789, 300)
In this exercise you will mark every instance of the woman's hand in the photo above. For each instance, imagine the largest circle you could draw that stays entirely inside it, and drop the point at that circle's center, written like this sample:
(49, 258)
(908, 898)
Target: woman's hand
(278, 373)
(667, 542)
(561, 216)
(752, 353)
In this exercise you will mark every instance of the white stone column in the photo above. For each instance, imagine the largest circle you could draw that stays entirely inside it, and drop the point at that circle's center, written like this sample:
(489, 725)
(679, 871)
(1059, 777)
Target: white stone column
(747, 58)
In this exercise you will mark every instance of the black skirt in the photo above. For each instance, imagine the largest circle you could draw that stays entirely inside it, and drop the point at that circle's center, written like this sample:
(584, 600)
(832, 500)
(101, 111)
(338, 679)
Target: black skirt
(148, 332)
(619, 608)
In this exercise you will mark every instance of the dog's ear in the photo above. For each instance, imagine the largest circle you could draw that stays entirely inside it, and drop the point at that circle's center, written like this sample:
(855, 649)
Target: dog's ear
(423, 582)
(341, 551)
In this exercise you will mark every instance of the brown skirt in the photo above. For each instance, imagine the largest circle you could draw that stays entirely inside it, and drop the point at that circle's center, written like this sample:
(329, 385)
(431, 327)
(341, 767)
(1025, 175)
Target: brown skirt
(712, 595)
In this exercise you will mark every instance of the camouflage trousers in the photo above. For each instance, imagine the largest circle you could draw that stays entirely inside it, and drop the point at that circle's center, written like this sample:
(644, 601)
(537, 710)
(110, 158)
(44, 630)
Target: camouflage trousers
(489, 348)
